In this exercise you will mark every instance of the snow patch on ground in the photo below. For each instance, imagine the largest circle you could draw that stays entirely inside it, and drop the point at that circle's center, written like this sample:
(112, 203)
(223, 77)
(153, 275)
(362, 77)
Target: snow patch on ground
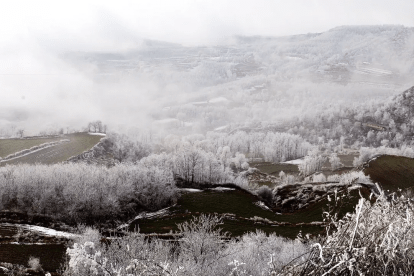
(98, 134)
(220, 128)
(42, 230)
(373, 71)
(294, 162)
(261, 205)
(293, 58)
(198, 103)
(167, 121)
(219, 100)
(190, 190)
(221, 189)
(28, 243)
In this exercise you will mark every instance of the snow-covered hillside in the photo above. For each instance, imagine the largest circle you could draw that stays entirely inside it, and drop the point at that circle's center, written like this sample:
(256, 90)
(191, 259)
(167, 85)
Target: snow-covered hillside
(262, 79)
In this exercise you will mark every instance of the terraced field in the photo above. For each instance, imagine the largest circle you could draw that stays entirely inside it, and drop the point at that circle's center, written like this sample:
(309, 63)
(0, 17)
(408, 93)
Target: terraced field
(78, 143)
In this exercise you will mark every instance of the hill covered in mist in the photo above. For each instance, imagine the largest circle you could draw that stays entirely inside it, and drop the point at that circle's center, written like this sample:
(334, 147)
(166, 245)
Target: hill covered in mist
(248, 81)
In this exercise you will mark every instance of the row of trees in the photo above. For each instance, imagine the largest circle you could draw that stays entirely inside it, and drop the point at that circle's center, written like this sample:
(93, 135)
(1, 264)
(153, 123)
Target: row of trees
(314, 161)
(80, 193)
(271, 146)
(185, 158)
(122, 148)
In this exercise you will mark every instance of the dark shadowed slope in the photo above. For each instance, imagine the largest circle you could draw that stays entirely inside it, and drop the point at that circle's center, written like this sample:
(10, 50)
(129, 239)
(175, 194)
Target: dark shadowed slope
(391, 172)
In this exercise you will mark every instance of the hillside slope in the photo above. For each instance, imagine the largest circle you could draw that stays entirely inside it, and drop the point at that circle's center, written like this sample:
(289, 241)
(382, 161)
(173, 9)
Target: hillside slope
(391, 172)
(9, 146)
(254, 76)
(78, 143)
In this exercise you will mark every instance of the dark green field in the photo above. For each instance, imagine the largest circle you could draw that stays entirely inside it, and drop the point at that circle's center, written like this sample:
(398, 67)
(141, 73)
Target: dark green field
(241, 204)
(79, 142)
(392, 172)
(348, 159)
(275, 169)
(51, 256)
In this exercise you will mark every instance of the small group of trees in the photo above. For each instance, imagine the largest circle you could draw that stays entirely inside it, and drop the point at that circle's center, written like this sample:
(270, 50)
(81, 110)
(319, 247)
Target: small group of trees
(122, 148)
(97, 127)
(271, 146)
(11, 131)
(312, 163)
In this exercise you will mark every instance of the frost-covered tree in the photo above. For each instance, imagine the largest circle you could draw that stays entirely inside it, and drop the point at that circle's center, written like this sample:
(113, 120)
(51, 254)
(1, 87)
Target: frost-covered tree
(311, 163)
(335, 161)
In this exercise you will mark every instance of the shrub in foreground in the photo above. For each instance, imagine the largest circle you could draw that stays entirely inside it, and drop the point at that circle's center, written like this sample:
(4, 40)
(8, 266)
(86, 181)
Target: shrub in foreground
(378, 239)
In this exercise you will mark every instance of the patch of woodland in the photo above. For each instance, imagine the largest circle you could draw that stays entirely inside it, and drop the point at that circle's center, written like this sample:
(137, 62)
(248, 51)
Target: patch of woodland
(80, 193)
(372, 124)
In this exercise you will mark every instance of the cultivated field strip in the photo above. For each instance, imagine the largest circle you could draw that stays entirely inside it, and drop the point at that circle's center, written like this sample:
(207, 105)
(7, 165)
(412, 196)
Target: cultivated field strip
(9, 146)
(79, 142)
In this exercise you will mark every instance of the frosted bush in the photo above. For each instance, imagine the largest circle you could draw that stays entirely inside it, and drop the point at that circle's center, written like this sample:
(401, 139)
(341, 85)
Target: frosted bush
(34, 263)
(261, 254)
(333, 178)
(319, 178)
(378, 239)
(354, 177)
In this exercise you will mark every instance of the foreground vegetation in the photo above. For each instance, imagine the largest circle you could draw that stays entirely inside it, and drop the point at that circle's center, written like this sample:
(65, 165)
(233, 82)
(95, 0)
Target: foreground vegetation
(377, 239)
(203, 249)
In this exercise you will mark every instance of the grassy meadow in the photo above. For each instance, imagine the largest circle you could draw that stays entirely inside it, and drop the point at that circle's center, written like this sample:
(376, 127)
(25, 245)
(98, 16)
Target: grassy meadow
(9, 146)
(79, 142)
(238, 208)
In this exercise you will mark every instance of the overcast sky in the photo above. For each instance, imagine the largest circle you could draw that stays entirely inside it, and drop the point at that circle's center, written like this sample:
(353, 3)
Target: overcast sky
(37, 87)
(103, 25)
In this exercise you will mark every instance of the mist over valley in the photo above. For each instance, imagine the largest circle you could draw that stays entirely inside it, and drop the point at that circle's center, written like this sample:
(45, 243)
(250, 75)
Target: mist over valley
(206, 138)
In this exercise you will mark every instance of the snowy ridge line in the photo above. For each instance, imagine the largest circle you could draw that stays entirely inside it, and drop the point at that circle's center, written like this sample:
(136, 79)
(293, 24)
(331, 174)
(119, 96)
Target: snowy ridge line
(32, 150)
